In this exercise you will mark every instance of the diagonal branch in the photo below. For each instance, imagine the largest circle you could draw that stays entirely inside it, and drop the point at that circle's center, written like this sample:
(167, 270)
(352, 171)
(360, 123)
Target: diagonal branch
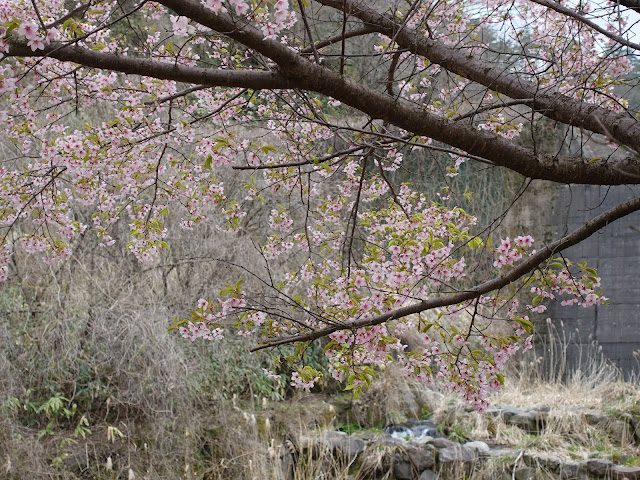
(581, 18)
(626, 130)
(295, 71)
(517, 272)
(77, 12)
(358, 32)
(303, 74)
(415, 119)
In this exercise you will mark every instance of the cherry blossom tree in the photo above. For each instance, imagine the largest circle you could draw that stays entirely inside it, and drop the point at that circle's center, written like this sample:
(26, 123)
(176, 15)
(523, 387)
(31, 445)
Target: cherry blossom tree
(140, 109)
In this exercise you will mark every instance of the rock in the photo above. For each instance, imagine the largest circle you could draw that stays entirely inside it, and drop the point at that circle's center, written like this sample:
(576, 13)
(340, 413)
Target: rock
(542, 409)
(619, 431)
(78, 462)
(388, 442)
(379, 457)
(480, 448)
(510, 412)
(627, 417)
(526, 473)
(503, 453)
(422, 440)
(550, 463)
(338, 443)
(629, 473)
(493, 411)
(421, 458)
(570, 471)
(428, 475)
(409, 461)
(443, 443)
(457, 454)
(502, 476)
(635, 427)
(459, 460)
(528, 421)
(287, 463)
(403, 470)
(595, 418)
(599, 467)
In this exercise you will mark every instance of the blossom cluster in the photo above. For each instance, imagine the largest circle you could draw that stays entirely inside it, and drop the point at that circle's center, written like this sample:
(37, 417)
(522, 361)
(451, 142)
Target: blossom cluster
(362, 244)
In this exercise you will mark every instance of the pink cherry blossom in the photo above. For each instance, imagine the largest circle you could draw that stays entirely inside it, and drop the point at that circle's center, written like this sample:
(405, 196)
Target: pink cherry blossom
(28, 30)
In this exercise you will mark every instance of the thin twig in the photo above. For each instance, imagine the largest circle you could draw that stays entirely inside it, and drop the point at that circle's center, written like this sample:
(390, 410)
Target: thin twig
(76, 12)
(308, 29)
(301, 163)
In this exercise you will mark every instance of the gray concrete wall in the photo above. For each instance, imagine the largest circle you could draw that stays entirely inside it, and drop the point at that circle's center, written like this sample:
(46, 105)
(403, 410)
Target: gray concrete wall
(615, 252)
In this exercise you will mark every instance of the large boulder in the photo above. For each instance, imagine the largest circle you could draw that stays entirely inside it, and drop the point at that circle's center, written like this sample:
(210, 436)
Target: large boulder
(599, 467)
(428, 475)
(456, 460)
(410, 461)
(625, 473)
(481, 448)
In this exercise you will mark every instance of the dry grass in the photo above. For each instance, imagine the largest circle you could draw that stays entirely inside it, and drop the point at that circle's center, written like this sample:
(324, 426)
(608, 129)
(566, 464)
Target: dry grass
(544, 378)
(88, 340)
(596, 387)
(393, 398)
(94, 332)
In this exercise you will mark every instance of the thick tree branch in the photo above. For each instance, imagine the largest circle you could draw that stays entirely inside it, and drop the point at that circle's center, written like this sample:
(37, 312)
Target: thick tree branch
(626, 130)
(517, 272)
(210, 77)
(295, 71)
(497, 149)
(414, 119)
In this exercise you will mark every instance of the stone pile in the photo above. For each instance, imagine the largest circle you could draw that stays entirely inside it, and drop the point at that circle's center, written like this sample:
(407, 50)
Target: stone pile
(416, 451)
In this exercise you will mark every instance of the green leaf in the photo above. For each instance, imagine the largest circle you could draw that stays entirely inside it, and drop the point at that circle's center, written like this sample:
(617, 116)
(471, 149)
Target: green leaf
(67, 23)
(526, 324)
(207, 163)
(268, 148)
(475, 242)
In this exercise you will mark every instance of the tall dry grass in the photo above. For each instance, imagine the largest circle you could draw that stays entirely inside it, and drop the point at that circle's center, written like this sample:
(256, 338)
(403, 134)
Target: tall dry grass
(92, 385)
(573, 389)
(560, 372)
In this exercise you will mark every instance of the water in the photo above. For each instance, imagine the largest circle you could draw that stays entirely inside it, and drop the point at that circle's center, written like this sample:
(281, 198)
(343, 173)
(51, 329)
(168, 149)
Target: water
(413, 429)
